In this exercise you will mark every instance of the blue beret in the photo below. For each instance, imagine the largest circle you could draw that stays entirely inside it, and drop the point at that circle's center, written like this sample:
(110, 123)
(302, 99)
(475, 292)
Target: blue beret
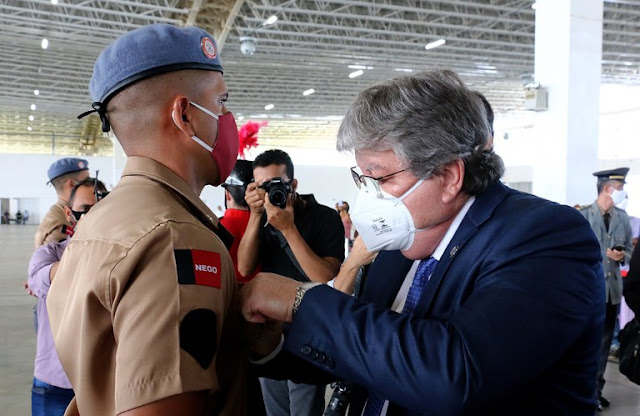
(66, 165)
(619, 174)
(149, 51)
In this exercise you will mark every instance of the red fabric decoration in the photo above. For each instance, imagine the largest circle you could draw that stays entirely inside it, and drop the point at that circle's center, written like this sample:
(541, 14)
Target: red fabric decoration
(248, 136)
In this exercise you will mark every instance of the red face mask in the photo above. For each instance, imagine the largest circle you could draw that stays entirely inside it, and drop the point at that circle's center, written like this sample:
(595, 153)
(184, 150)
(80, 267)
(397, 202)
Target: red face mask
(225, 149)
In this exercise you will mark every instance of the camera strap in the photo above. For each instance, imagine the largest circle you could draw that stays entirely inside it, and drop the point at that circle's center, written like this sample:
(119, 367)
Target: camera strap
(285, 246)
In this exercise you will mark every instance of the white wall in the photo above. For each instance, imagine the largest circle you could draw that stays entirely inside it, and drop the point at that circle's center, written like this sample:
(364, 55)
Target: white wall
(328, 184)
(23, 178)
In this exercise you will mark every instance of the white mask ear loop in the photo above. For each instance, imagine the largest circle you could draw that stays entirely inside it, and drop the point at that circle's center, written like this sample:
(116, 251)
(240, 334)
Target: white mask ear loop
(196, 138)
(198, 106)
(413, 188)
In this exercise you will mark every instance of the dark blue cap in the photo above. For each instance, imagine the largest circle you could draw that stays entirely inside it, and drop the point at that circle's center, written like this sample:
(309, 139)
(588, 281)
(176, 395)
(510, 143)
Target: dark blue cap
(619, 174)
(66, 165)
(149, 51)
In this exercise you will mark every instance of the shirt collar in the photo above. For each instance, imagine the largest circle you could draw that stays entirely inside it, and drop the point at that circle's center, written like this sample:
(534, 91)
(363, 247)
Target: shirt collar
(451, 231)
(143, 166)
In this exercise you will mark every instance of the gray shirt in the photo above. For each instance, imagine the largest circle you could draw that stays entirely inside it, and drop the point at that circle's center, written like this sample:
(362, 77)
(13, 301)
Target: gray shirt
(619, 234)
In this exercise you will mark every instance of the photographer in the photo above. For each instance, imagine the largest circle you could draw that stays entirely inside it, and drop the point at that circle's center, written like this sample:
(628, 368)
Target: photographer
(294, 236)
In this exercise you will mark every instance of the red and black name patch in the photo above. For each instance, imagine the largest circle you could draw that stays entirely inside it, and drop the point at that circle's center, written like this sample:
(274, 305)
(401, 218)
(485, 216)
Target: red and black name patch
(198, 267)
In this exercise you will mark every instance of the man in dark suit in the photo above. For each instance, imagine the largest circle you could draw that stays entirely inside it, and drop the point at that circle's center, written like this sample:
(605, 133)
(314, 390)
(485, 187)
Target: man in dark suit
(485, 300)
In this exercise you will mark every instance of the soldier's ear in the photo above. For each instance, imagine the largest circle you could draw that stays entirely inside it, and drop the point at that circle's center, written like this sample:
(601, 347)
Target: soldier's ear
(180, 115)
(68, 213)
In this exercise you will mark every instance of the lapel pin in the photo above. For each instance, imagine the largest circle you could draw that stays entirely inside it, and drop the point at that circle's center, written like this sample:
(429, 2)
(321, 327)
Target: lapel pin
(453, 251)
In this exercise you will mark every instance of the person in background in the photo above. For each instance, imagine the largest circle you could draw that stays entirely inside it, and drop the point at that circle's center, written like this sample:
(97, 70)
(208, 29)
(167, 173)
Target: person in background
(52, 391)
(236, 217)
(26, 216)
(63, 174)
(236, 214)
(19, 217)
(349, 233)
(611, 226)
(299, 238)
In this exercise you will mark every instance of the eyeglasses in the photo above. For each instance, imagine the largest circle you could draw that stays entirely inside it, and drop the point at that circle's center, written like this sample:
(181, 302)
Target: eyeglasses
(369, 183)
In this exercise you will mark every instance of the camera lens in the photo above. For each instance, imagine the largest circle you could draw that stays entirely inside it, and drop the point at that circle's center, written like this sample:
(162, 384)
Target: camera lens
(278, 197)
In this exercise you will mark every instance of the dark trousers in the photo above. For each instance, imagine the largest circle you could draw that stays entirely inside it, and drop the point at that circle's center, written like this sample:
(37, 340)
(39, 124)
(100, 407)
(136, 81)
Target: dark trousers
(609, 325)
(48, 400)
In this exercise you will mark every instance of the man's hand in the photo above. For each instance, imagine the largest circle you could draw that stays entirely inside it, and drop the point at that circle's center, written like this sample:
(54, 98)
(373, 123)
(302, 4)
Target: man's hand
(280, 219)
(615, 255)
(255, 198)
(25, 286)
(359, 255)
(268, 296)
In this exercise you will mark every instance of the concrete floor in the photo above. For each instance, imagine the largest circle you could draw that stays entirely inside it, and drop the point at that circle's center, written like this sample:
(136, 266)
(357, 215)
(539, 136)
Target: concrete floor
(17, 336)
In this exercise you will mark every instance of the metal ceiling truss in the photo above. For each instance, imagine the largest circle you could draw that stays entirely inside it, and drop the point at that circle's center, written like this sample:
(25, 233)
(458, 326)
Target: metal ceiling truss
(490, 43)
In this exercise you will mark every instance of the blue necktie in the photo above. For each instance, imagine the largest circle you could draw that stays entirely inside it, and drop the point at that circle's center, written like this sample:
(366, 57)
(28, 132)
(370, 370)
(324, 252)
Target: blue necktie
(423, 273)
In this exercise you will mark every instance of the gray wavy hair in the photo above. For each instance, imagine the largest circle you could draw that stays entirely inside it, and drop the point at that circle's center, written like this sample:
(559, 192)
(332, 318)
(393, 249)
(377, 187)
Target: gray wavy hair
(429, 120)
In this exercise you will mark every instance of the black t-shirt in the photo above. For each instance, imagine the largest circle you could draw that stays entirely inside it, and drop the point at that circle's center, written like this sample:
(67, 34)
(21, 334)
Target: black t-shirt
(320, 227)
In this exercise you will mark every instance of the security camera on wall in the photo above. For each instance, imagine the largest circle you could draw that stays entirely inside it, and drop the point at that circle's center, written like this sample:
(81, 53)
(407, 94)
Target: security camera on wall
(247, 45)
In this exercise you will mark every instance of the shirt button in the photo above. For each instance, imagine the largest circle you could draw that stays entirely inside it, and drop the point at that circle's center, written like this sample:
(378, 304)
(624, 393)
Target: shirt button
(330, 363)
(306, 350)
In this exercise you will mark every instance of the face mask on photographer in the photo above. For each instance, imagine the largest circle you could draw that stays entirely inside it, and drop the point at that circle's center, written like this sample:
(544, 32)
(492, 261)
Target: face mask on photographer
(225, 149)
(384, 221)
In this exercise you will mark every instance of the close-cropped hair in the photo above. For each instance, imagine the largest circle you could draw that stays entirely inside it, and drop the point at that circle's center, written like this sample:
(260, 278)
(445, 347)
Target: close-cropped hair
(237, 194)
(274, 157)
(60, 180)
(429, 120)
(90, 183)
(602, 183)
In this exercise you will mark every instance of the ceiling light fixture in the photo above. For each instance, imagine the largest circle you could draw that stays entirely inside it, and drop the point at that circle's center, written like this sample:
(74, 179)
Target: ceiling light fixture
(359, 67)
(308, 92)
(356, 73)
(54, 2)
(271, 20)
(29, 128)
(33, 107)
(269, 107)
(31, 118)
(435, 44)
(240, 118)
(534, 5)
(403, 69)
(36, 92)
(44, 43)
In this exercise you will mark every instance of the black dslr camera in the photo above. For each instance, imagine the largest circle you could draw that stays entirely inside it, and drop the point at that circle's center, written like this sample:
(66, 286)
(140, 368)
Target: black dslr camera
(278, 190)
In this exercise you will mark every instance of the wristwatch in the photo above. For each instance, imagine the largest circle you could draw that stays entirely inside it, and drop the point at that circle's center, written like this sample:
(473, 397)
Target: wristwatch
(300, 291)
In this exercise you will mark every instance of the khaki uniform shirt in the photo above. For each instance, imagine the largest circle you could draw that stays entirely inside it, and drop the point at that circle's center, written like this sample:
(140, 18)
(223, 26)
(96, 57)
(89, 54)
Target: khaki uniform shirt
(50, 229)
(142, 304)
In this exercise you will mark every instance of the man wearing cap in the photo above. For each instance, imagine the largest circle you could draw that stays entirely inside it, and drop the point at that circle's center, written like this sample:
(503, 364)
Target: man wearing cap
(613, 230)
(142, 309)
(237, 213)
(63, 174)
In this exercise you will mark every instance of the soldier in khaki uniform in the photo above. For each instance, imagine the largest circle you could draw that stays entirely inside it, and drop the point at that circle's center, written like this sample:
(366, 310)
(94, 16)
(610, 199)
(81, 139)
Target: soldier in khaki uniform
(63, 174)
(142, 309)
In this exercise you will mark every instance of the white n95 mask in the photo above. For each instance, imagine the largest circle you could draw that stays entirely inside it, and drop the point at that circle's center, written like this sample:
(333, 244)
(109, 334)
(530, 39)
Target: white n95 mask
(618, 196)
(384, 223)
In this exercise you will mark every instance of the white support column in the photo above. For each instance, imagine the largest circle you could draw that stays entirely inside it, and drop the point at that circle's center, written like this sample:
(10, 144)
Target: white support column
(568, 60)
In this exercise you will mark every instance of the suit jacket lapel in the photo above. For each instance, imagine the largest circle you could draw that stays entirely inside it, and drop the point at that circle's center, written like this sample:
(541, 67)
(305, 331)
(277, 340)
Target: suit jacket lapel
(481, 210)
(385, 278)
